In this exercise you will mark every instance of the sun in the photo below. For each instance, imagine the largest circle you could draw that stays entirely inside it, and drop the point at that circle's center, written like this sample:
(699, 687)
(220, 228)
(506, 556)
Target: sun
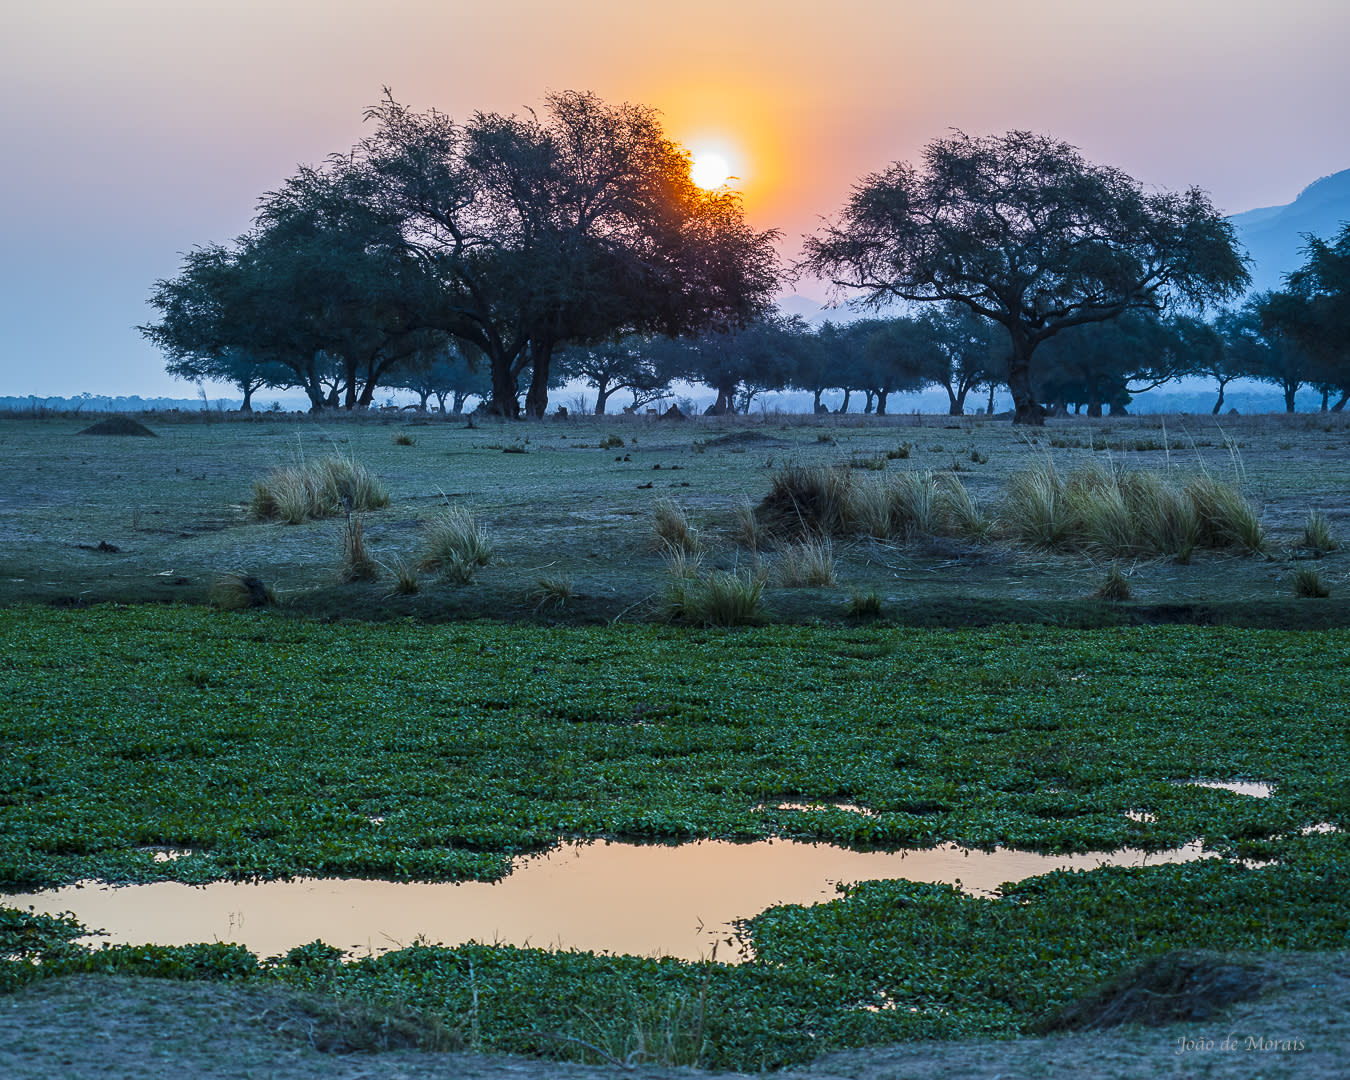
(710, 170)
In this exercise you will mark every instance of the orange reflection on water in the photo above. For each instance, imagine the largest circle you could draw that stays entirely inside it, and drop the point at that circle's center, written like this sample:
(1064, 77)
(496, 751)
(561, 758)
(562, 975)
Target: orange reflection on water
(621, 898)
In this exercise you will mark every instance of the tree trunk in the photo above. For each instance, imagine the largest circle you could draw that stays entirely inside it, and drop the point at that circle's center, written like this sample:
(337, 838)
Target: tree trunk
(503, 402)
(1289, 392)
(247, 404)
(602, 392)
(815, 405)
(1026, 409)
(1218, 404)
(536, 399)
(882, 395)
(1340, 405)
(867, 409)
(844, 407)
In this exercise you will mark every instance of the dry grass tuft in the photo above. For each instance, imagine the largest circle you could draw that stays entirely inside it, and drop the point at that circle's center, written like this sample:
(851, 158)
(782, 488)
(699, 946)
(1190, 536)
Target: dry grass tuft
(672, 528)
(1106, 511)
(1115, 587)
(722, 598)
(808, 563)
(1162, 990)
(555, 591)
(1308, 584)
(863, 605)
(316, 489)
(357, 565)
(1317, 534)
(404, 574)
(807, 500)
(456, 545)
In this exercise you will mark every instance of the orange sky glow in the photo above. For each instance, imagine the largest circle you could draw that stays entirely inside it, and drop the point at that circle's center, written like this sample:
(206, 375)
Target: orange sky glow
(136, 130)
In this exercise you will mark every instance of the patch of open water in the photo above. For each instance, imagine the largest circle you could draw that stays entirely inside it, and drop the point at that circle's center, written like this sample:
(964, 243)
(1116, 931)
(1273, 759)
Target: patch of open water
(644, 900)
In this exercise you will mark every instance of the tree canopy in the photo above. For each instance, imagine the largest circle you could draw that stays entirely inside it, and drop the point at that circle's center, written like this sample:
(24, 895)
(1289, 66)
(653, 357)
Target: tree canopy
(1021, 230)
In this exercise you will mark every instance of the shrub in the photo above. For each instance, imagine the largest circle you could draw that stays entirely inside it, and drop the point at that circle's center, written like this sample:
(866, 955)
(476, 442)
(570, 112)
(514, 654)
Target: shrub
(316, 489)
(810, 562)
(901, 451)
(671, 524)
(1308, 584)
(611, 442)
(402, 438)
(456, 545)
(722, 598)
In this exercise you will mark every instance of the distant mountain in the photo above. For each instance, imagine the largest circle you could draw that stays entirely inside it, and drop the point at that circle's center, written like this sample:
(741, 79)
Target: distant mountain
(1273, 235)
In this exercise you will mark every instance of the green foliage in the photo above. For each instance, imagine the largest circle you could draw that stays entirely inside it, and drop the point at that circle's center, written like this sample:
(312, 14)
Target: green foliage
(479, 741)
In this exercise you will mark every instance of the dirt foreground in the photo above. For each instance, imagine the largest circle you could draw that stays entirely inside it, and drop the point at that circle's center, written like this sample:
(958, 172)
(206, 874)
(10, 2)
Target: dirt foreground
(120, 1027)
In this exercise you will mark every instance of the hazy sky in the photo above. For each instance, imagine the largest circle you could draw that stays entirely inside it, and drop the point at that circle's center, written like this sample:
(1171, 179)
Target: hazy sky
(135, 129)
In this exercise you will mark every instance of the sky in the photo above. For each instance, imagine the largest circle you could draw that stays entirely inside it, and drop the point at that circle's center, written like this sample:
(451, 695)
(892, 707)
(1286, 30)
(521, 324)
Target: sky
(133, 130)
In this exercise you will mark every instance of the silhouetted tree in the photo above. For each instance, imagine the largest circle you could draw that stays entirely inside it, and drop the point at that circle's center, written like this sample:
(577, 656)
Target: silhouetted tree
(566, 228)
(1021, 230)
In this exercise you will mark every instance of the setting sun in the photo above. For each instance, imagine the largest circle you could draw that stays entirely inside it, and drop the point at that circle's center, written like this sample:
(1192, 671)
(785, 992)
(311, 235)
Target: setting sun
(710, 170)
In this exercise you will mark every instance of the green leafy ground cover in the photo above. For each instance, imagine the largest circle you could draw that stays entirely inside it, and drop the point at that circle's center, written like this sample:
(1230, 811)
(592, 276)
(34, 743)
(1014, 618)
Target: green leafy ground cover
(266, 745)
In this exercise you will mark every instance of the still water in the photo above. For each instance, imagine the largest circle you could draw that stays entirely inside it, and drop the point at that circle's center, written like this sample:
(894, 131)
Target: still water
(622, 898)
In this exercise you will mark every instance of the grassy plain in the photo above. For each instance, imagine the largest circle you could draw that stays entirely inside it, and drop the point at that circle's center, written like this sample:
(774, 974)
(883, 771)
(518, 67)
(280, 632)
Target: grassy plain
(405, 746)
(557, 505)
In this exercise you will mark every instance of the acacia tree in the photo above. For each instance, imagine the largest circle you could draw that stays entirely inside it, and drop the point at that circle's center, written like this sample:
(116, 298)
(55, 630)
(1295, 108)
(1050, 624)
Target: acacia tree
(322, 286)
(1021, 230)
(626, 363)
(566, 228)
(1314, 311)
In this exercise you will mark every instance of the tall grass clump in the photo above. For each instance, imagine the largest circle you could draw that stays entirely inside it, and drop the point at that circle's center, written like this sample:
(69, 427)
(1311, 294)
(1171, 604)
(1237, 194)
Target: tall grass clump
(721, 598)
(808, 563)
(456, 545)
(807, 500)
(672, 528)
(316, 489)
(1317, 534)
(1308, 584)
(1107, 511)
(357, 565)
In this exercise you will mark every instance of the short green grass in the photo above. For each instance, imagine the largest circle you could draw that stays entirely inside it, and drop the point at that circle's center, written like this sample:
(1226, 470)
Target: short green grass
(476, 742)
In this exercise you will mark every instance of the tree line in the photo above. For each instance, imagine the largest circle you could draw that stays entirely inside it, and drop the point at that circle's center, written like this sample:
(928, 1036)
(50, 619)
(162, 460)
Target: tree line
(503, 256)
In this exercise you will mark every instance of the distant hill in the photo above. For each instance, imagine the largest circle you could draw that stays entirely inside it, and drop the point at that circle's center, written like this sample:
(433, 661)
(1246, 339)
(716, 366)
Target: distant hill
(1273, 235)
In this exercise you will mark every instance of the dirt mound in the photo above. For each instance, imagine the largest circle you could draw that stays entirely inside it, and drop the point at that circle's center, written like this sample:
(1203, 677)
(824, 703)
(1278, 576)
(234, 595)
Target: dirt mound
(1162, 990)
(119, 425)
(743, 439)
